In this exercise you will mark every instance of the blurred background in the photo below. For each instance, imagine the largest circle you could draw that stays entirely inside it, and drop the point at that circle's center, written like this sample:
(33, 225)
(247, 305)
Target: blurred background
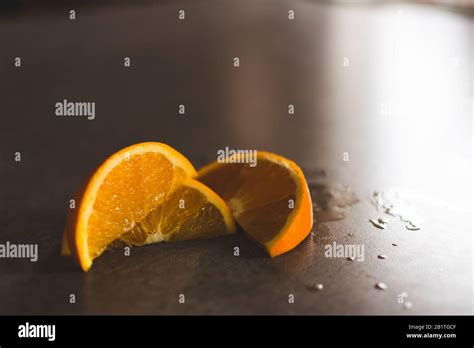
(383, 100)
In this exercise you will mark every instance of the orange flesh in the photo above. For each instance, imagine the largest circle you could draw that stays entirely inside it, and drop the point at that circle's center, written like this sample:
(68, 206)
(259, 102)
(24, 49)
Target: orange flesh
(187, 213)
(129, 193)
(271, 201)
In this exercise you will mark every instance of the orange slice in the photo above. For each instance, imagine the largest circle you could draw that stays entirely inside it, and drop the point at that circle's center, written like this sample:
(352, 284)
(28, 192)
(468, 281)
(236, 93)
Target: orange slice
(270, 201)
(191, 211)
(125, 194)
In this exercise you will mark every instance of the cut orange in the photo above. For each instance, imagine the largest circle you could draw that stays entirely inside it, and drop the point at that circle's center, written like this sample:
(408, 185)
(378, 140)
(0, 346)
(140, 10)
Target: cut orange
(192, 210)
(143, 194)
(270, 201)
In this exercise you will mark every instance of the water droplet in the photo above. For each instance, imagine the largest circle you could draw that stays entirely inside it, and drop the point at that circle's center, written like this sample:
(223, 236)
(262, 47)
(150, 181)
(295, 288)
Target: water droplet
(378, 224)
(381, 286)
(315, 287)
(412, 227)
(382, 257)
(407, 305)
(395, 204)
(330, 201)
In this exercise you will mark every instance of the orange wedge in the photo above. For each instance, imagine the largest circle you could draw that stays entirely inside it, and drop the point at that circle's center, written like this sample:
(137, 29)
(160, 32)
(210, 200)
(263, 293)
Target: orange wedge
(270, 201)
(191, 211)
(142, 194)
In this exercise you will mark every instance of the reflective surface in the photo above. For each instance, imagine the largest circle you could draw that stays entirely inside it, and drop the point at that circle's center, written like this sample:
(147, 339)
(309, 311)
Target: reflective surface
(383, 101)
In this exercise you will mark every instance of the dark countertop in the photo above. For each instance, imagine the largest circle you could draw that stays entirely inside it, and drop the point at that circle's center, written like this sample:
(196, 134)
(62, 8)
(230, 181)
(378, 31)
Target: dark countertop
(401, 109)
